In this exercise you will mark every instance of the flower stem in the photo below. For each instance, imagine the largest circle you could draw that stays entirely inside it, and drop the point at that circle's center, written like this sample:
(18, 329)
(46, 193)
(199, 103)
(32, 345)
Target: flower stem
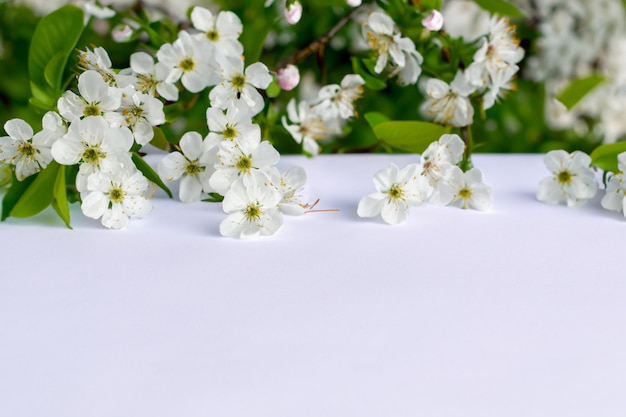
(466, 163)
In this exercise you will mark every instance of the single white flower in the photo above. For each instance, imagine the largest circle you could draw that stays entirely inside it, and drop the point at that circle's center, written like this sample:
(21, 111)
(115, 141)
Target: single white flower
(238, 85)
(572, 180)
(252, 209)
(616, 188)
(141, 112)
(450, 104)
(116, 194)
(466, 188)
(245, 158)
(397, 189)
(337, 101)
(151, 76)
(289, 184)
(382, 37)
(308, 127)
(234, 125)
(29, 153)
(97, 98)
(194, 164)
(440, 156)
(187, 61)
(219, 33)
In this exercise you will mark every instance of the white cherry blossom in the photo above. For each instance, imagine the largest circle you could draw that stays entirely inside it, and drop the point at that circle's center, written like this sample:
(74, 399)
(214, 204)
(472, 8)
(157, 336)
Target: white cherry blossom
(337, 101)
(116, 194)
(440, 156)
(141, 112)
(308, 127)
(151, 76)
(252, 208)
(28, 152)
(289, 184)
(234, 125)
(238, 85)
(220, 33)
(449, 103)
(572, 180)
(465, 188)
(194, 164)
(397, 189)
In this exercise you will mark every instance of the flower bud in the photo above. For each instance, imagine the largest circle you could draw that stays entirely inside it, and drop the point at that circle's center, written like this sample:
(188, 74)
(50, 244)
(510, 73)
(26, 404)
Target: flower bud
(434, 21)
(122, 33)
(293, 12)
(288, 77)
(353, 3)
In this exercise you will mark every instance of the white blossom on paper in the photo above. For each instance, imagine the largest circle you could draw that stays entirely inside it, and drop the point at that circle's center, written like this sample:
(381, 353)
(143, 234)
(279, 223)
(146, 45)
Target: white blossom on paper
(116, 194)
(252, 208)
(289, 184)
(616, 188)
(466, 188)
(572, 180)
(397, 189)
(440, 156)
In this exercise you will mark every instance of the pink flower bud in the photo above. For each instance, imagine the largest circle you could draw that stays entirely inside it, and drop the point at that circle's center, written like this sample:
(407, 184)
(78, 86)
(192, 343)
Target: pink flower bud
(122, 33)
(353, 3)
(434, 21)
(293, 13)
(288, 77)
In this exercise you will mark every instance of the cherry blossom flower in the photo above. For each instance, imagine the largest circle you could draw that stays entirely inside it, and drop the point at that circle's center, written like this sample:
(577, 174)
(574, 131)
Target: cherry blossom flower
(440, 156)
(234, 125)
(219, 32)
(572, 180)
(466, 188)
(151, 76)
(141, 112)
(96, 98)
(194, 164)
(397, 189)
(239, 85)
(293, 12)
(308, 127)
(337, 101)
(187, 61)
(450, 104)
(289, 184)
(615, 196)
(245, 158)
(28, 152)
(116, 194)
(252, 208)
(91, 142)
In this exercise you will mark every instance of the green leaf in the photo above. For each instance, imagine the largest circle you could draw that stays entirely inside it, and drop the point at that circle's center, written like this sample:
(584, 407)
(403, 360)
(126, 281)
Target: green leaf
(149, 173)
(53, 41)
(159, 140)
(273, 90)
(375, 118)
(605, 156)
(214, 198)
(59, 197)
(411, 136)
(578, 89)
(500, 7)
(13, 195)
(371, 82)
(38, 195)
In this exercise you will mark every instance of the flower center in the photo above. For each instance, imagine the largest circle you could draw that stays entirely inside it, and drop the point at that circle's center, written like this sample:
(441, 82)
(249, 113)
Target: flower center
(91, 110)
(465, 193)
(564, 177)
(147, 84)
(26, 149)
(187, 64)
(252, 212)
(193, 168)
(92, 155)
(116, 195)
(238, 81)
(396, 192)
(229, 132)
(213, 35)
(244, 164)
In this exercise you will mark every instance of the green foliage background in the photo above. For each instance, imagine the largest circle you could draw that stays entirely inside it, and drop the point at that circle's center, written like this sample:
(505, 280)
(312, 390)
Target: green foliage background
(515, 125)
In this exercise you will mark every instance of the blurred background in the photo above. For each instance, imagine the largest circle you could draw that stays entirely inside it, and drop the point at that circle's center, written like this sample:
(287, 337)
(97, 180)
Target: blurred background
(564, 40)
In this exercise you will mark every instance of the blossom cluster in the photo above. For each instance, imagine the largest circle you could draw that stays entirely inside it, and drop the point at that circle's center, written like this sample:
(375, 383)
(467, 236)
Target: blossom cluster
(574, 181)
(436, 178)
